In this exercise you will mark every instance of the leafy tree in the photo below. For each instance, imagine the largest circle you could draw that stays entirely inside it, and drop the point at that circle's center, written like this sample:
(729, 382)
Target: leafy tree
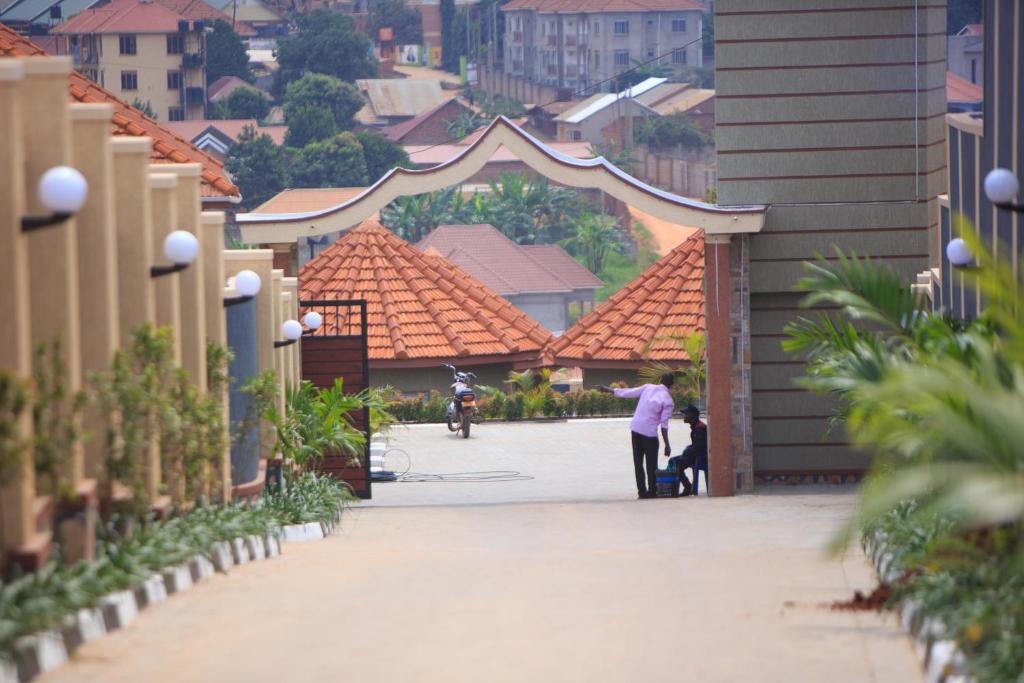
(405, 21)
(326, 43)
(258, 167)
(317, 107)
(381, 155)
(246, 103)
(145, 107)
(448, 28)
(596, 237)
(337, 162)
(641, 72)
(225, 54)
(671, 130)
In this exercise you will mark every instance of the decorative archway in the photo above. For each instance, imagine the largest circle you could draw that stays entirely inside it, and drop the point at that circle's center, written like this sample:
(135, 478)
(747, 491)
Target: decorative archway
(719, 223)
(262, 228)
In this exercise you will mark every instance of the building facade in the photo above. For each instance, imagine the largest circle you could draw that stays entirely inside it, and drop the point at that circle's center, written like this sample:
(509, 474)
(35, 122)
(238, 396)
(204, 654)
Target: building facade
(142, 52)
(965, 53)
(833, 113)
(582, 46)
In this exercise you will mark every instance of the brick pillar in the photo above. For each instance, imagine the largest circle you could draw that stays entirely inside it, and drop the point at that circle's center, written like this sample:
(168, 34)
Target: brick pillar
(717, 291)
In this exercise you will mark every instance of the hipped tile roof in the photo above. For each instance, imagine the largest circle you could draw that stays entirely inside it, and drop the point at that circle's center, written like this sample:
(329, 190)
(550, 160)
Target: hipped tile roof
(419, 306)
(167, 147)
(632, 326)
(122, 16)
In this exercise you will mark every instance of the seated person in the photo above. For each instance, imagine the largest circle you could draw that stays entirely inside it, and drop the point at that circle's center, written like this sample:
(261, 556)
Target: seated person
(695, 455)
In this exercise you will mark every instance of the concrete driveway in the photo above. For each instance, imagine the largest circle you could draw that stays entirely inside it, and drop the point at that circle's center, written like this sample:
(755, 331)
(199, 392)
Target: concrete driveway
(564, 577)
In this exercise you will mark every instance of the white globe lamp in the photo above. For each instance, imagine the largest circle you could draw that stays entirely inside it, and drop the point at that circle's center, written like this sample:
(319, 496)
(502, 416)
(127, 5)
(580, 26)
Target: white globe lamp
(313, 320)
(181, 247)
(247, 283)
(958, 253)
(1001, 186)
(291, 330)
(63, 190)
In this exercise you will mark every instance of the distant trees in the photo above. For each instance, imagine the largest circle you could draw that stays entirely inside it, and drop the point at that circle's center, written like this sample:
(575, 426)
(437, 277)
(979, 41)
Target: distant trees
(669, 131)
(380, 154)
(326, 43)
(959, 13)
(597, 236)
(404, 20)
(448, 28)
(317, 107)
(225, 54)
(258, 167)
(335, 162)
(242, 103)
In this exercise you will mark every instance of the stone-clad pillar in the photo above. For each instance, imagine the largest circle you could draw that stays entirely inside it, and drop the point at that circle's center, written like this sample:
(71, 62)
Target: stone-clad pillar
(164, 198)
(136, 301)
(53, 251)
(97, 259)
(211, 246)
(18, 532)
(190, 281)
(717, 292)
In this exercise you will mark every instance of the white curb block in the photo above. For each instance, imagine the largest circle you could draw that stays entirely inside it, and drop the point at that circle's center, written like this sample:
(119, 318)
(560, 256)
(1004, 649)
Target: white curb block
(222, 558)
(177, 579)
(119, 609)
(257, 551)
(39, 653)
(82, 627)
(312, 531)
(151, 591)
(273, 546)
(201, 568)
(239, 551)
(8, 673)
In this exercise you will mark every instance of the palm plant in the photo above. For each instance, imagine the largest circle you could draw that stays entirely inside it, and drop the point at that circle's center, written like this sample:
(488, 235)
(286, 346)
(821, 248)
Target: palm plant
(938, 400)
(596, 237)
(318, 422)
(691, 375)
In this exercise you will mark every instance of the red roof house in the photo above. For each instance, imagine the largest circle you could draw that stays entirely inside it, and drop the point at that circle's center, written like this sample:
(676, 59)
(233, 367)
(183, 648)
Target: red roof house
(634, 325)
(422, 311)
(217, 189)
(541, 280)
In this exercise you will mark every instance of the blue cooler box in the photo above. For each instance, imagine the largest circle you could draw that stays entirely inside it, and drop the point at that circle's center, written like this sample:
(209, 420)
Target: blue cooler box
(667, 483)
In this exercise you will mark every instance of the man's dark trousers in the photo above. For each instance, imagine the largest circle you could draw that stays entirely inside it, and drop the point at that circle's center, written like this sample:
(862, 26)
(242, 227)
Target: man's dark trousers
(645, 448)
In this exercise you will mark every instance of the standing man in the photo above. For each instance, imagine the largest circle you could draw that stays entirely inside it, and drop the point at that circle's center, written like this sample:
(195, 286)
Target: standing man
(652, 411)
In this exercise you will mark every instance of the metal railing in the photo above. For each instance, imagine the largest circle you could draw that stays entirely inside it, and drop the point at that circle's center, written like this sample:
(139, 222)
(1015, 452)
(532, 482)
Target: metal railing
(341, 318)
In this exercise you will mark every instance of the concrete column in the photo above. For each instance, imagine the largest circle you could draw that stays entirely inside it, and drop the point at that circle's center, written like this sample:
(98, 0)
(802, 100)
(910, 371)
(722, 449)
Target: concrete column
(244, 338)
(191, 280)
(167, 293)
(211, 245)
(97, 259)
(280, 355)
(136, 300)
(53, 252)
(291, 286)
(18, 491)
(260, 261)
(719, 363)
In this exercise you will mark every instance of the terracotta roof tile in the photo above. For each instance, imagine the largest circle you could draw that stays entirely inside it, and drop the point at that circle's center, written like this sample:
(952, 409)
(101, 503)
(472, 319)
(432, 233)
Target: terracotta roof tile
(122, 16)
(167, 147)
(418, 306)
(665, 300)
(604, 5)
(199, 9)
(959, 89)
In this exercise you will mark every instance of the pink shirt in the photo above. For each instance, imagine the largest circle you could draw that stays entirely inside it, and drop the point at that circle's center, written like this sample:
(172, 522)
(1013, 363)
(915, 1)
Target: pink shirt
(653, 410)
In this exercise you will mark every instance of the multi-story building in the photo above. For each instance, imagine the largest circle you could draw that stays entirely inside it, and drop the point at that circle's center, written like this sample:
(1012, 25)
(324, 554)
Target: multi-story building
(143, 52)
(584, 44)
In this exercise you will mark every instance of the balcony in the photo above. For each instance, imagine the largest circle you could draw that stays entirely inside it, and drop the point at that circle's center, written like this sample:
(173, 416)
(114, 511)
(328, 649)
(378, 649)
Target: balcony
(570, 41)
(551, 40)
(194, 95)
(193, 60)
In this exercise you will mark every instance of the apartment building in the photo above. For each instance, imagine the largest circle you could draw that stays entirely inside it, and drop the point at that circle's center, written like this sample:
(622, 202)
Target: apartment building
(141, 51)
(583, 44)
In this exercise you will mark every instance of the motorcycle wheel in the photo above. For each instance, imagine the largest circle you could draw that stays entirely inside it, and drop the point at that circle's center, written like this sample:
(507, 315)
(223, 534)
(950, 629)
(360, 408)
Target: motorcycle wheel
(465, 426)
(453, 426)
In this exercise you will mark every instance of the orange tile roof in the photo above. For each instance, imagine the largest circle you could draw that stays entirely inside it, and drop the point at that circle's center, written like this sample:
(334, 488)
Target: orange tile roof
(167, 147)
(605, 5)
(959, 89)
(198, 9)
(665, 300)
(418, 306)
(122, 16)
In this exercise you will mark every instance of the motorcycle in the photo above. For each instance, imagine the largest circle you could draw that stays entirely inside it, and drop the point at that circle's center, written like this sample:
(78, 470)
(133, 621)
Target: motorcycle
(462, 408)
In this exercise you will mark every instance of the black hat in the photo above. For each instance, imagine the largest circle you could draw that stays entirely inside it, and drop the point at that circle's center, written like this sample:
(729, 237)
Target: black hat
(691, 410)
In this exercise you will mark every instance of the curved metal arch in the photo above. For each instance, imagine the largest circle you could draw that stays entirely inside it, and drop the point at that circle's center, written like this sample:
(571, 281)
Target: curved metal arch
(580, 173)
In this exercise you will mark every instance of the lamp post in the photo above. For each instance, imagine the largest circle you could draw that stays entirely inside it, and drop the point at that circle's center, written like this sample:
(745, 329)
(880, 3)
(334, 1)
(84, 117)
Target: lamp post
(181, 248)
(62, 190)
(291, 330)
(248, 284)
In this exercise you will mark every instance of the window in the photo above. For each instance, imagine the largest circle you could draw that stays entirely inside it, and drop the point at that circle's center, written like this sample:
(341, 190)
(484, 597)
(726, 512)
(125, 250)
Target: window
(974, 71)
(622, 58)
(576, 136)
(679, 26)
(679, 56)
(173, 80)
(650, 53)
(127, 43)
(175, 114)
(129, 80)
(175, 44)
(621, 28)
(597, 28)
(597, 58)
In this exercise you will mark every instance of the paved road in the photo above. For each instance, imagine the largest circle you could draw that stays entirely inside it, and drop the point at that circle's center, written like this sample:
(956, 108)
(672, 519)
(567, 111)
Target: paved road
(596, 586)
